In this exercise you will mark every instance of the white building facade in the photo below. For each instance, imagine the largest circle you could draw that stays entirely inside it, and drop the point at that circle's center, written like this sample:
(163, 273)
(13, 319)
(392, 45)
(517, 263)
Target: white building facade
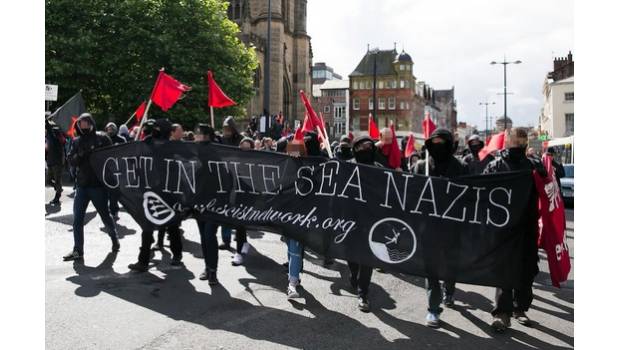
(558, 114)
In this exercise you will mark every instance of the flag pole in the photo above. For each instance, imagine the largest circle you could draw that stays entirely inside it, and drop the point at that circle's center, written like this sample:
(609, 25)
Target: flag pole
(426, 163)
(212, 118)
(148, 105)
(130, 118)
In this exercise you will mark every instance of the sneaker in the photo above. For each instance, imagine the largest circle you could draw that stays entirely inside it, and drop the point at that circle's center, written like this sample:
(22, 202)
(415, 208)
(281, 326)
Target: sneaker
(176, 261)
(362, 304)
(237, 259)
(54, 202)
(72, 256)
(138, 267)
(432, 320)
(522, 318)
(448, 300)
(204, 275)
(500, 322)
(291, 292)
(224, 246)
(212, 277)
(116, 246)
(159, 247)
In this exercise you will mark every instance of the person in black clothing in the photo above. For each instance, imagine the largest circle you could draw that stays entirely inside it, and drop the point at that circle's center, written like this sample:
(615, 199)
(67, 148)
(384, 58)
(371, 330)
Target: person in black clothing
(517, 301)
(344, 151)
(230, 135)
(112, 130)
(54, 157)
(558, 168)
(442, 163)
(474, 163)
(364, 152)
(159, 131)
(89, 188)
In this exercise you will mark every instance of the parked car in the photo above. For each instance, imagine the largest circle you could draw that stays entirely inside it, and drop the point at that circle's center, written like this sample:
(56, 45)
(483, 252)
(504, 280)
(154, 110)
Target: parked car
(568, 185)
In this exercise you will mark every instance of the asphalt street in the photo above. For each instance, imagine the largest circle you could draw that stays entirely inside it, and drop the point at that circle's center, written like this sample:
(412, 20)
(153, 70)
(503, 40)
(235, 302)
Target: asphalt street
(100, 304)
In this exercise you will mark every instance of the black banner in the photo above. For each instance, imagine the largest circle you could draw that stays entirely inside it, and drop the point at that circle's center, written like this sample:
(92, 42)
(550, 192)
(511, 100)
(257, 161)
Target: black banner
(469, 230)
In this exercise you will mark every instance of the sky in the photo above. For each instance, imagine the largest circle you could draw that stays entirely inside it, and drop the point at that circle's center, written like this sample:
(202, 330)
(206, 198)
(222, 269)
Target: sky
(452, 43)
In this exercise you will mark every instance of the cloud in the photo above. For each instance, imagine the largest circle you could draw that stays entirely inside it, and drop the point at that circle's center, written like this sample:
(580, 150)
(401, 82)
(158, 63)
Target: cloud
(452, 43)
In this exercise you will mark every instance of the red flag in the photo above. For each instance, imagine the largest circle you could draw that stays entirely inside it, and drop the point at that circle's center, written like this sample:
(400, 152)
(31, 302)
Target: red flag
(217, 97)
(496, 143)
(351, 137)
(428, 126)
(167, 91)
(552, 223)
(314, 119)
(71, 131)
(373, 131)
(322, 123)
(410, 148)
(299, 134)
(394, 157)
(140, 112)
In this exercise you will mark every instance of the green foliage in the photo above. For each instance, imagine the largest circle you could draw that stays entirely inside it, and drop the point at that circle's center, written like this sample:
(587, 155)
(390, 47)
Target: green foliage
(113, 50)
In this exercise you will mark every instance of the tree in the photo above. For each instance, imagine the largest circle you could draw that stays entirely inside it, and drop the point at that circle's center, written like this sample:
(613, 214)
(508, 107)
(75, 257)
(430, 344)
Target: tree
(113, 50)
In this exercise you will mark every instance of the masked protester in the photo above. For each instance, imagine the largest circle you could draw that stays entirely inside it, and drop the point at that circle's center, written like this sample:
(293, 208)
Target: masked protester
(442, 163)
(123, 131)
(89, 188)
(474, 163)
(516, 302)
(112, 130)
(344, 151)
(54, 157)
(159, 132)
(364, 152)
(230, 135)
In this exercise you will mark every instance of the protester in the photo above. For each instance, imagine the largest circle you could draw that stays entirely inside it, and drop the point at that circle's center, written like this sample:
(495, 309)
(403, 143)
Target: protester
(531, 153)
(113, 196)
(243, 247)
(124, 132)
(516, 302)
(557, 167)
(230, 135)
(159, 132)
(54, 158)
(413, 160)
(474, 163)
(89, 188)
(344, 151)
(384, 147)
(177, 132)
(442, 163)
(112, 130)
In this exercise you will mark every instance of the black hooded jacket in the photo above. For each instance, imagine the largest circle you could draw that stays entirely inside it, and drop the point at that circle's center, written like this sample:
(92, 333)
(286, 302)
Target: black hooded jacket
(54, 137)
(82, 146)
(235, 138)
(451, 167)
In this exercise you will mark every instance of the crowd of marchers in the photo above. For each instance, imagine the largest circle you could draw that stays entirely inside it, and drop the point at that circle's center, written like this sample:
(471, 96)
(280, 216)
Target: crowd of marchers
(72, 155)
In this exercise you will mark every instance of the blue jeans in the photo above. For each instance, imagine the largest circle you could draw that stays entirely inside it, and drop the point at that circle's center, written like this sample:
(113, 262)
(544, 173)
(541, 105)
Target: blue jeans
(434, 293)
(99, 197)
(294, 260)
(226, 234)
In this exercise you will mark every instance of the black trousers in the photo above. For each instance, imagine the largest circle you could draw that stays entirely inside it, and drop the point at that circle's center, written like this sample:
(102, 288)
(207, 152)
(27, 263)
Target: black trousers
(176, 245)
(361, 274)
(511, 300)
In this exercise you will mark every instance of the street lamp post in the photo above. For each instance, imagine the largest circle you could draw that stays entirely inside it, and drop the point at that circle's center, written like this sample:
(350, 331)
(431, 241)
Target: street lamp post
(374, 85)
(505, 63)
(486, 118)
(267, 62)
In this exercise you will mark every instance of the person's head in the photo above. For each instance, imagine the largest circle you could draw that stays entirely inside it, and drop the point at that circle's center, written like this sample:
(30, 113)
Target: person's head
(177, 132)
(162, 129)
(189, 136)
(345, 140)
(313, 146)
(123, 130)
(229, 128)
(440, 145)
(148, 127)
(516, 143)
(111, 129)
(551, 152)
(267, 143)
(85, 124)
(386, 136)
(246, 144)
(281, 145)
(531, 152)
(204, 133)
(258, 144)
(364, 150)
(475, 144)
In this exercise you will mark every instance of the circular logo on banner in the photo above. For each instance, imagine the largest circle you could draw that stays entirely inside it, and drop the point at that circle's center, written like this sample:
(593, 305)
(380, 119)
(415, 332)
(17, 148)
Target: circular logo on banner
(392, 240)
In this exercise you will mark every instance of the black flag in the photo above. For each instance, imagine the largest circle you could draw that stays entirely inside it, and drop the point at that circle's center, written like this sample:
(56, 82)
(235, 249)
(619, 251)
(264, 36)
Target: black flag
(66, 114)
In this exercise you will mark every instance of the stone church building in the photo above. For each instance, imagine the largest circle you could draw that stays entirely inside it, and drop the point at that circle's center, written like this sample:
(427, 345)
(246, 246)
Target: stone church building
(291, 52)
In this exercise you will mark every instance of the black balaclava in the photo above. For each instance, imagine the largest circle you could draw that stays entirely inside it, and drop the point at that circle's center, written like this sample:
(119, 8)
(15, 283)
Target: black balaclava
(162, 129)
(313, 146)
(516, 154)
(365, 156)
(441, 152)
(88, 117)
(475, 147)
(346, 151)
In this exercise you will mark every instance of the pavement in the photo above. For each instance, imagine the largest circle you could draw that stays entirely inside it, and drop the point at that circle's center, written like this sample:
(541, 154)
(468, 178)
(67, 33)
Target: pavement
(100, 304)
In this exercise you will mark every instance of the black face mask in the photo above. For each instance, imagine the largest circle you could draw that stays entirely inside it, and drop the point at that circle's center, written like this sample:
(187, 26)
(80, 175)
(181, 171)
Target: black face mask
(440, 152)
(516, 154)
(365, 156)
(475, 148)
(346, 151)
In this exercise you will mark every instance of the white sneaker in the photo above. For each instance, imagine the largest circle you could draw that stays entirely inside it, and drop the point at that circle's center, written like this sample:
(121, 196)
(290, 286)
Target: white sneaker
(432, 320)
(245, 248)
(237, 259)
(291, 292)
